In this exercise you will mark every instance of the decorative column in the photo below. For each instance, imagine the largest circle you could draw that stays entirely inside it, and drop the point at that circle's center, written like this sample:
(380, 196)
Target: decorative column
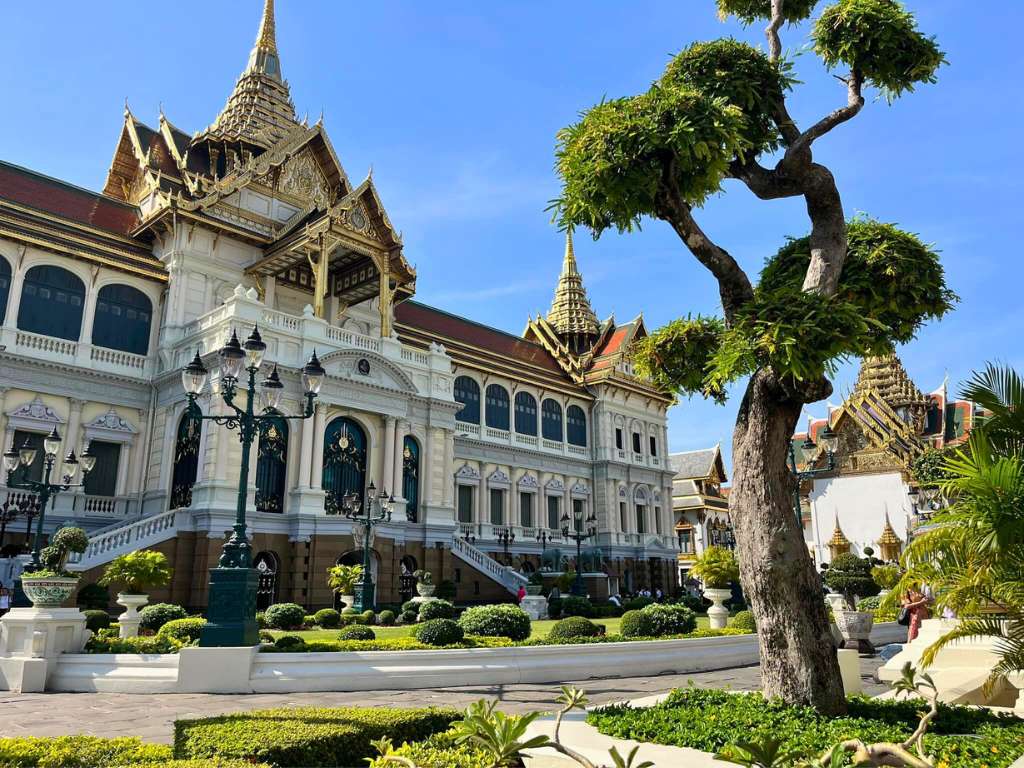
(448, 471)
(71, 438)
(14, 293)
(319, 427)
(3, 416)
(402, 428)
(306, 453)
(387, 470)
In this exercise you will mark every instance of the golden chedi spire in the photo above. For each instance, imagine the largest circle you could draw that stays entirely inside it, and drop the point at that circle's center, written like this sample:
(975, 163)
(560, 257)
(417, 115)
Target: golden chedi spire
(889, 543)
(571, 314)
(887, 376)
(260, 109)
(838, 544)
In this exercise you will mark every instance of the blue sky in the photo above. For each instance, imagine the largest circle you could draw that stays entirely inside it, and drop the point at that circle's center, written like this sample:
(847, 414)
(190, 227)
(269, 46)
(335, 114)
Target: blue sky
(455, 105)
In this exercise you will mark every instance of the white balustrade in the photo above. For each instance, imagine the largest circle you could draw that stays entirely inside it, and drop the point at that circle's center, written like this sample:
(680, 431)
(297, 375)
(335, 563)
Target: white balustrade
(145, 532)
(507, 577)
(35, 343)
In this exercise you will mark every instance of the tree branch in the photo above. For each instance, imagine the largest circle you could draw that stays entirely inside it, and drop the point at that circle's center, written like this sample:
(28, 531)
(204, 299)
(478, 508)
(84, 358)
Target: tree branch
(772, 31)
(767, 184)
(854, 104)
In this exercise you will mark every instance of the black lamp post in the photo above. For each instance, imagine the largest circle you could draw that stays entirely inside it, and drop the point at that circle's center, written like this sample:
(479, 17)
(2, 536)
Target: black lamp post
(505, 537)
(44, 489)
(579, 535)
(376, 510)
(830, 441)
(231, 611)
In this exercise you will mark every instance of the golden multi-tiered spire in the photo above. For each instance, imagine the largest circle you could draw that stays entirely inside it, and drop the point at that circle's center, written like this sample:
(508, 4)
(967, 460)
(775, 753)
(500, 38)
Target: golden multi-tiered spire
(838, 544)
(887, 376)
(889, 543)
(260, 109)
(571, 314)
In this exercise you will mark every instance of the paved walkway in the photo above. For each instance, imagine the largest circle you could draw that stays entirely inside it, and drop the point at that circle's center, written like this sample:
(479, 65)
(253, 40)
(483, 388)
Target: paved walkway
(151, 717)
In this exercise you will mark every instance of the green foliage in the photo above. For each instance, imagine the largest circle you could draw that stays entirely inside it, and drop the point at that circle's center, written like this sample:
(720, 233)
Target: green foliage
(446, 590)
(503, 620)
(408, 617)
(740, 75)
(183, 630)
(636, 623)
(357, 632)
(716, 567)
(328, 618)
(137, 571)
(96, 620)
(113, 644)
(285, 616)
(79, 752)
(744, 620)
(574, 627)
(261, 619)
(155, 616)
(386, 618)
(669, 619)
(850, 576)
(435, 609)
(677, 356)
(367, 617)
(62, 543)
(289, 642)
(928, 468)
(502, 736)
(886, 576)
(879, 40)
(388, 644)
(616, 161)
(438, 632)
(93, 597)
(636, 603)
(306, 736)
(342, 579)
(439, 751)
(874, 605)
(574, 605)
(999, 389)
(749, 11)
(682, 720)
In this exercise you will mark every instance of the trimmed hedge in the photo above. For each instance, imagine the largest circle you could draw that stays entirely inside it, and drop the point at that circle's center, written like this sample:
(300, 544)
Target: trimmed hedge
(744, 620)
(79, 752)
(435, 609)
(573, 605)
(636, 623)
(285, 616)
(357, 632)
(439, 751)
(504, 620)
(96, 620)
(636, 603)
(439, 632)
(155, 616)
(306, 736)
(408, 617)
(575, 627)
(328, 618)
(183, 630)
(388, 644)
(154, 644)
(386, 618)
(670, 619)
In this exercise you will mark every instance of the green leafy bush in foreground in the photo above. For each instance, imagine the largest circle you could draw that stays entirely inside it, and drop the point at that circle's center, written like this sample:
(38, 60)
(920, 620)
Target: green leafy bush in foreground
(440, 751)
(79, 752)
(710, 720)
(106, 643)
(306, 736)
(574, 627)
(504, 620)
(155, 616)
(357, 632)
(439, 632)
(295, 644)
(183, 630)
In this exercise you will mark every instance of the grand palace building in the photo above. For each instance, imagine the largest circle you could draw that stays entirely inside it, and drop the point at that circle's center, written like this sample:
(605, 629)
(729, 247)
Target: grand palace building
(486, 439)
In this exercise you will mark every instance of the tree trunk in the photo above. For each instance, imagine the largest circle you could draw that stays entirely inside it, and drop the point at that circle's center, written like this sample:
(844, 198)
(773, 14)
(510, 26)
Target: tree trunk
(798, 657)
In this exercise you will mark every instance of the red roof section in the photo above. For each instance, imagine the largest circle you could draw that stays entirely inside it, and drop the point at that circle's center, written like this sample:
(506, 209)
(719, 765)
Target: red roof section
(614, 341)
(31, 189)
(437, 322)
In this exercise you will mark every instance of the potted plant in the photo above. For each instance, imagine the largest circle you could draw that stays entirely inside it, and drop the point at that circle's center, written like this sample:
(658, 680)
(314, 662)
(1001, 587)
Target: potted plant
(424, 583)
(51, 585)
(850, 576)
(718, 569)
(342, 579)
(535, 584)
(136, 572)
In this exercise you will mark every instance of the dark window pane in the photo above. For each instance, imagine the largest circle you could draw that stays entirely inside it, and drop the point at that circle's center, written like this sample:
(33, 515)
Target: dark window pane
(551, 420)
(576, 426)
(345, 457)
(122, 319)
(467, 392)
(526, 414)
(102, 481)
(497, 407)
(41, 313)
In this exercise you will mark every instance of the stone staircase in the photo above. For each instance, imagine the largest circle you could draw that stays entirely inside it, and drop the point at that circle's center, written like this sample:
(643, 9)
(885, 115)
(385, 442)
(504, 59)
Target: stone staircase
(487, 565)
(112, 541)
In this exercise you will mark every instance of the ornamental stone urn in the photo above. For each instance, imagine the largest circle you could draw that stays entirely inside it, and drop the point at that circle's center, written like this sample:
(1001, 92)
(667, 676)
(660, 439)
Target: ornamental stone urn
(48, 592)
(855, 628)
(129, 620)
(348, 601)
(425, 590)
(718, 614)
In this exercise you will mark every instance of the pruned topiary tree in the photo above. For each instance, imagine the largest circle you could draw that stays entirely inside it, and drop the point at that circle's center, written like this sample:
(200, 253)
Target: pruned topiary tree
(850, 287)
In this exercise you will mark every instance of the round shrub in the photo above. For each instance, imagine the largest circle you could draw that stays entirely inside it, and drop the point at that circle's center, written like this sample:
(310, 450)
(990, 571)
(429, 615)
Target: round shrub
(506, 620)
(261, 619)
(183, 630)
(573, 627)
(96, 620)
(289, 642)
(573, 605)
(285, 616)
(695, 603)
(357, 632)
(309, 620)
(436, 609)
(155, 616)
(438, 632)
(328, 618)
(670, 619)
(408, 617)
(411, 605)
(367, 617)
(266, 637)
(386, 618)
(744, 620)
(636, 623)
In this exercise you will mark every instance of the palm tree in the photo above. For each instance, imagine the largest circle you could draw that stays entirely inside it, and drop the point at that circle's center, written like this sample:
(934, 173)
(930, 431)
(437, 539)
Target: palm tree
(972, 552)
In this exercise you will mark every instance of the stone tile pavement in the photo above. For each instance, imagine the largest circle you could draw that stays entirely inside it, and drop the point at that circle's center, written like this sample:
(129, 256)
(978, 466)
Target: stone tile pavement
(151, 717)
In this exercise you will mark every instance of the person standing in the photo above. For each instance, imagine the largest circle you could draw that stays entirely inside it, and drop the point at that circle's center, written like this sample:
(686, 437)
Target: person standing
(916, 603)
(520, 594)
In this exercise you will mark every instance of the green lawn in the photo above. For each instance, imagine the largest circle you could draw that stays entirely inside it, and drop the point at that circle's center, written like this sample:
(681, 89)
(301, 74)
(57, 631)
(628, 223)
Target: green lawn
(540, 629)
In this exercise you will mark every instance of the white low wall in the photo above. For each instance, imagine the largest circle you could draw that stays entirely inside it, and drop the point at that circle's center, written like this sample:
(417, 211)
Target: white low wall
(240, 670)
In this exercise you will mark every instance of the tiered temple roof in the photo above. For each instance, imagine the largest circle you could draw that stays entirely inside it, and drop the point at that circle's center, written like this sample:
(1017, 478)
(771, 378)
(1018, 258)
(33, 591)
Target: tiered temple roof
(571, 314)
(887, 376)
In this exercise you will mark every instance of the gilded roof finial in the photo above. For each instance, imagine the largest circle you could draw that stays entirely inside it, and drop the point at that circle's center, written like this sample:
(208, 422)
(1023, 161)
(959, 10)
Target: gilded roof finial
(571, 314)
(838, 537)
(888, 533)
(266, 39)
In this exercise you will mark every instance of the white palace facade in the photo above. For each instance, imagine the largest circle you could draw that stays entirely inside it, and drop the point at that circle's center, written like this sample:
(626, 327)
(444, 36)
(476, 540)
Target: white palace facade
(485, 438)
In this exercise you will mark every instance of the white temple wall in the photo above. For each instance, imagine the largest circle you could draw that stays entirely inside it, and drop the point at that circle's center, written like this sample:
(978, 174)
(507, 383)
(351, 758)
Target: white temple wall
(861, 503)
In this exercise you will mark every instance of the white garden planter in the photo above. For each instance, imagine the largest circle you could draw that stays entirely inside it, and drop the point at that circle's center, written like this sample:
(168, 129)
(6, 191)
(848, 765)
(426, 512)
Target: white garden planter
(49, 592)
(718, 614)
(425, 590)
(855, 627)
(129, 620)
(348, 601)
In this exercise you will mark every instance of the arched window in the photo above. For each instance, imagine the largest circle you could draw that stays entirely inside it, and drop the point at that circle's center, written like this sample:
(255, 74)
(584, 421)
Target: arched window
(344, 462)
(551, 420)
(186, 461)
(497, 407)
(267, 565)
(5, 287)
(526, 414)
(51, 303)
(271, 465)
(576, 426)
(467, 392)
(411, 478)
(122, 321)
